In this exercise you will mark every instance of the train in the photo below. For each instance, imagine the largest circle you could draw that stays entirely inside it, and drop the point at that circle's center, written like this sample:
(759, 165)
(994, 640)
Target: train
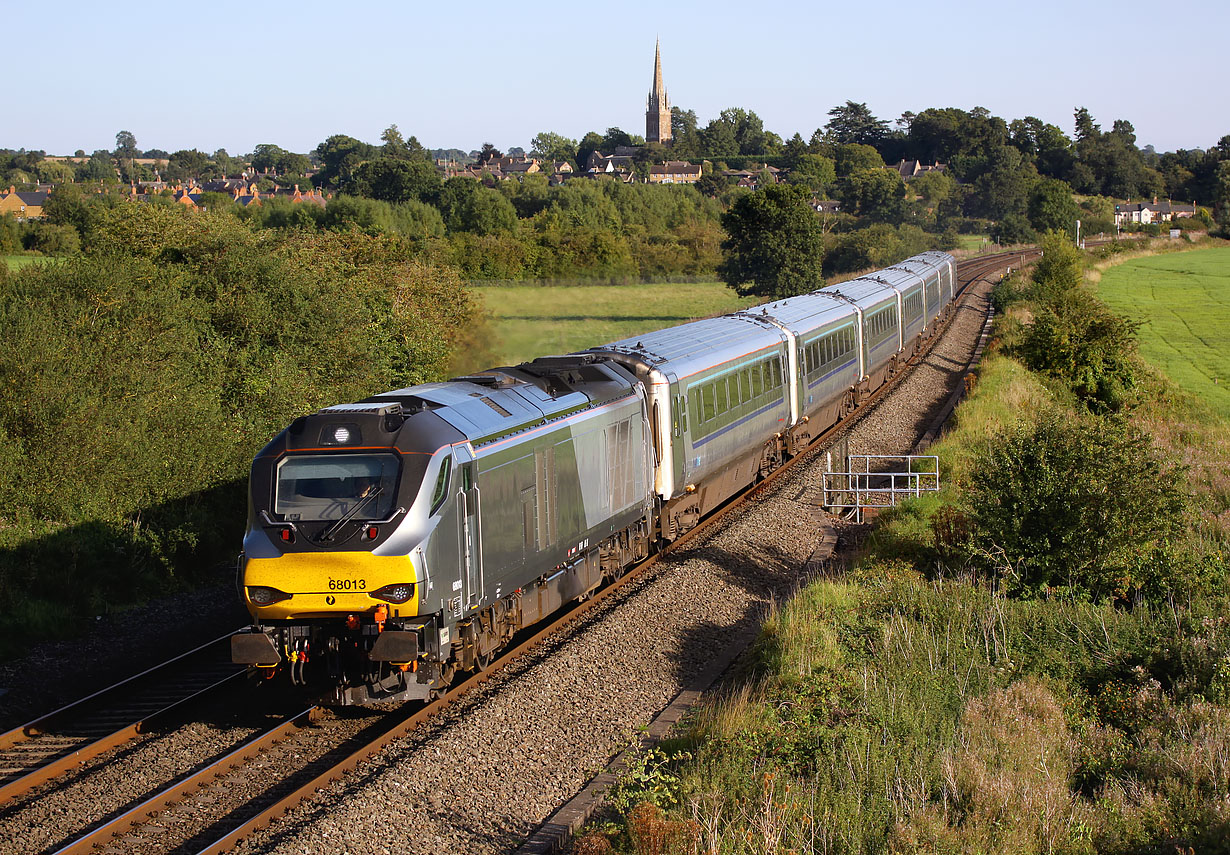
(398, 541)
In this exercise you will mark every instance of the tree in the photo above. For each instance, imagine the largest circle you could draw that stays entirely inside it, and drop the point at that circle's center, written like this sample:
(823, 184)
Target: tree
(226, 164)
(794, 149)
(1091, 507)
(852, 157)
(774, 247)
(399, 148)
(876, 194)
(489, 152)
(813, 171)
(1012, 228)
(589, 144)
(126, 153)
(339, 155)
(266, 156)
(185, 164)
(392, 179)
(552, 147)
(615, 138)
(54, 172)
(712, 184)
(933, 187)
(1052, 208)
(1003, 188)
(685, 136)
(1222, 198)
(854, 123)
(100, 167)
(717, 139)
(468, 206)
(126, 145)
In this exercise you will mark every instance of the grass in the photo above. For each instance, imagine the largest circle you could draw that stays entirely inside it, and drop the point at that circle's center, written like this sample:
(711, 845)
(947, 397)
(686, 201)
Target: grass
(16, 262)
(539, 320)
(975, 243)
(1183, 300)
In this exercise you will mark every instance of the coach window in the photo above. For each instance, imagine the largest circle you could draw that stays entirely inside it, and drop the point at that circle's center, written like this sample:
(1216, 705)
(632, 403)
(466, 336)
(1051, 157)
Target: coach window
(720, 387)
(707, 411)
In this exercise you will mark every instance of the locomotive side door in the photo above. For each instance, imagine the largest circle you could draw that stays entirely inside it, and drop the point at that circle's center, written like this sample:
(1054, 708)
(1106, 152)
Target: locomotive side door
(469, 514)
(679, 435)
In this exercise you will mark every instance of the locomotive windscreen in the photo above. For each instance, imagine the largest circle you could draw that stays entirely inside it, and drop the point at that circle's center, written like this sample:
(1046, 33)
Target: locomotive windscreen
(329, 486)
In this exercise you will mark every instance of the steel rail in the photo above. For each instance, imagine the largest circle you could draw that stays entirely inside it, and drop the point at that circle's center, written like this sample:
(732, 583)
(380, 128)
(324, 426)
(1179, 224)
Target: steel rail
(968, 272)
(175, 793)
(106, 704)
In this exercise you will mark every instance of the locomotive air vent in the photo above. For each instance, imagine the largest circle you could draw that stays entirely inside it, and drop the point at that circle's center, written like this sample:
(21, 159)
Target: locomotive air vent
(495, 381)
(380, 409)
(493, 405)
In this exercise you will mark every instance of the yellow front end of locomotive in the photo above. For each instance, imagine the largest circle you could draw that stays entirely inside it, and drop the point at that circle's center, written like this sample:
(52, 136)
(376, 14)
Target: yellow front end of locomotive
(299, 585)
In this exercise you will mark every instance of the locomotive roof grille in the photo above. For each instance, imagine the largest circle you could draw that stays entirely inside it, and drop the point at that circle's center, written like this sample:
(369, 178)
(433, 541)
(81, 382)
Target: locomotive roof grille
(379, 409)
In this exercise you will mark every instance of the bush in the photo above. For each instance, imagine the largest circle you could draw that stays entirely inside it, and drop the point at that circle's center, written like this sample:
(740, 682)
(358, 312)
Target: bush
(1090, 508)
(1078, 339)
(50, 239)
(141, 378)
(1075, 337)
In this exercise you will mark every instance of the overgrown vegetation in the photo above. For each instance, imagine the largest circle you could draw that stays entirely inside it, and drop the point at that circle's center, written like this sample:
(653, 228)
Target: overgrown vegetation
(141, 377)
(1037, 659)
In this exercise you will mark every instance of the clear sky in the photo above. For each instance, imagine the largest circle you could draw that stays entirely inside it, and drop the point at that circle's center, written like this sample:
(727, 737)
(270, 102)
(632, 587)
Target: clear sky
(232, 75)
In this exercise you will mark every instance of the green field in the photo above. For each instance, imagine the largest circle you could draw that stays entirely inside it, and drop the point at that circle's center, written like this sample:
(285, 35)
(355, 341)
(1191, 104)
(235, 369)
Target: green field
(1183, 299)
(538, 320)
(16, 262)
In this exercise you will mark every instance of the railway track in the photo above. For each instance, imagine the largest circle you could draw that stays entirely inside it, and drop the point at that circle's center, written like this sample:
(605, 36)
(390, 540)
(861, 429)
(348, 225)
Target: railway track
(52, 745)
(235, 815)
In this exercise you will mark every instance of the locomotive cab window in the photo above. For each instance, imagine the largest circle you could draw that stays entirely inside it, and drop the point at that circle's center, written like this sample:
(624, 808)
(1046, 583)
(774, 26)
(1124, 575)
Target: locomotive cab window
(440, 493)
(329, 486)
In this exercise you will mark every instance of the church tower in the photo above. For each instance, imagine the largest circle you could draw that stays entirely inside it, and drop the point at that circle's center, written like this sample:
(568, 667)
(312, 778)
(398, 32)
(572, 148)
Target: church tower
(658, 115)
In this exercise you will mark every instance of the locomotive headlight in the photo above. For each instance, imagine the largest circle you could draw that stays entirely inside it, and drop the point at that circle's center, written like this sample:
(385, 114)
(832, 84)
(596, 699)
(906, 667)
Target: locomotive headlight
(397, 593)
(341, 434)
(264, 596)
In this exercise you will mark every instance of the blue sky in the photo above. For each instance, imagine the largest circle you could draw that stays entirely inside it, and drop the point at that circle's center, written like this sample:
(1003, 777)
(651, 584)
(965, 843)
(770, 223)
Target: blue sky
(232, 75)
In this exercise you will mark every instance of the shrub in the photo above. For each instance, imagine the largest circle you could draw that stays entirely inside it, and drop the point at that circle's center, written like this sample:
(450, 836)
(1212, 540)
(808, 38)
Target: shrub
(1075, 337)
(1091, 508)
(141, 378)
(1078, 339)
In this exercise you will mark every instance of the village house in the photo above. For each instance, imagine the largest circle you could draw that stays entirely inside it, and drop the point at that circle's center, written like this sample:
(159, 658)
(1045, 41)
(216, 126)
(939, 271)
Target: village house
(674, 172)
(908, 169)
(751, 178)
(23, 205)
(1145, 213)
(614, 165)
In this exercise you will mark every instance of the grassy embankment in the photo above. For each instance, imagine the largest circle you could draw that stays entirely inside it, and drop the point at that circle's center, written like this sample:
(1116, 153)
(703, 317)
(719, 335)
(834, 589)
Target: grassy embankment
(539, 320)
(912, 704)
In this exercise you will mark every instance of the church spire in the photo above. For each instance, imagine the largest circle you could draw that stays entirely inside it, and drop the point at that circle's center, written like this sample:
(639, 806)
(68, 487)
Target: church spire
(658, 114)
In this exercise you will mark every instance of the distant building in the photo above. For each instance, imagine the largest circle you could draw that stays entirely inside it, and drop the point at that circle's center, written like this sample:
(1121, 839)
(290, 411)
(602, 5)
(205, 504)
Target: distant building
(23, 206)
(608, 164)
(908, 169)
(674, 172)
(1145, 213)
(751, 178)
(658, 114)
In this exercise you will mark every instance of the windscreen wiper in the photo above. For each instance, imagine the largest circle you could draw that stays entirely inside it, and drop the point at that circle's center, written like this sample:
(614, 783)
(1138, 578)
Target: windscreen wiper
(328, 533)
